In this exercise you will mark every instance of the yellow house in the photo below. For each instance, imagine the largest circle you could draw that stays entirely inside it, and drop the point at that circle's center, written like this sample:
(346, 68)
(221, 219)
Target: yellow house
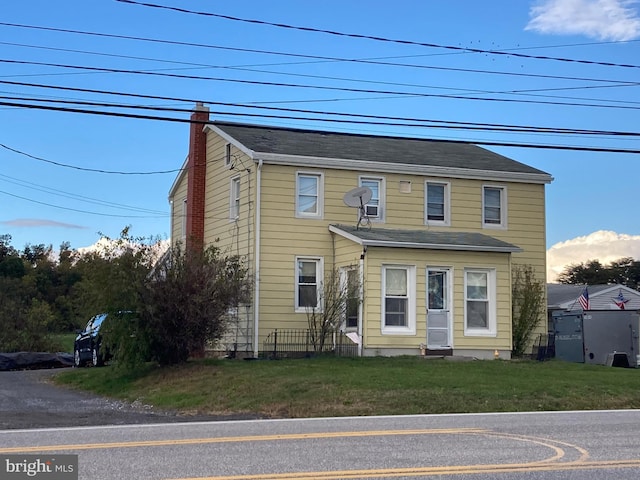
(428, 231)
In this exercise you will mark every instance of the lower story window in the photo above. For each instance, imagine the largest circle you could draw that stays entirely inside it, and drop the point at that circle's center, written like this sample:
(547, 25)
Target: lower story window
(308, 274)
(480, 300)
(398, 299)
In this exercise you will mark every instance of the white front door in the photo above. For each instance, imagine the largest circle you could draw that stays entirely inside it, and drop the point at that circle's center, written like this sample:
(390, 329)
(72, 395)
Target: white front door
(438, 309)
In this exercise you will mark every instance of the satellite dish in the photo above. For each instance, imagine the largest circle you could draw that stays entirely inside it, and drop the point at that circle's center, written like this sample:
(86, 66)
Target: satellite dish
(357, 197)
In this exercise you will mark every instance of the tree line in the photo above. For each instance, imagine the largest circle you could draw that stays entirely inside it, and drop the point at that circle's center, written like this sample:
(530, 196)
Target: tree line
(625, 271)
(179, 301)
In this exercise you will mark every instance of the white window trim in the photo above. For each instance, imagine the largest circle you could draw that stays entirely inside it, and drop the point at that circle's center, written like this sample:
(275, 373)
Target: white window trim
(234, 208)
(447, 204)
(380, 218)
(320, 205)
(503, 207)
(491, 330)
(319, 281)
(410, 329)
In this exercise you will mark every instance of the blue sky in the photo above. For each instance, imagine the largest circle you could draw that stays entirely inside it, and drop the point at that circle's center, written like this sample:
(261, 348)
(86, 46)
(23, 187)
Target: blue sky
(453, 61)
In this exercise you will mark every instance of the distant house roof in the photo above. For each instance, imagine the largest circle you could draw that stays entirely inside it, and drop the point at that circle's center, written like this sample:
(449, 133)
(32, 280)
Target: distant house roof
(276, 144)
(383, 237)
(602, 297)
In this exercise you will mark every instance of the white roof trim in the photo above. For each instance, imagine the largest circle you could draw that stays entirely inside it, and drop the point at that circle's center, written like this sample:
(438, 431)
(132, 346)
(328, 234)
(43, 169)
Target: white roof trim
(404, 168)
(230, 140)
(178, 179)
(421, 245)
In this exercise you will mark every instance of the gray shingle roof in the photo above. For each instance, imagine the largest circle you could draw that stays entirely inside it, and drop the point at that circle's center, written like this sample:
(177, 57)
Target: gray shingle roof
(464, 241)
(371, 148)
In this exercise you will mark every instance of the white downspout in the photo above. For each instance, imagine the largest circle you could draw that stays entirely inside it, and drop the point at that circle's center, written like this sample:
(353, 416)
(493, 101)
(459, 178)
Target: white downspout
(256, 291)
(361, 300)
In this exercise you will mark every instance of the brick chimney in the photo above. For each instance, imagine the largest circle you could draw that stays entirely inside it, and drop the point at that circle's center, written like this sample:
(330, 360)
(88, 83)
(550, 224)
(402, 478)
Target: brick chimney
(197, 172)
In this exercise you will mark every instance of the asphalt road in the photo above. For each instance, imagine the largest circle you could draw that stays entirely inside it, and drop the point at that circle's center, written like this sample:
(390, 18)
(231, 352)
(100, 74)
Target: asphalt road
(538, 446)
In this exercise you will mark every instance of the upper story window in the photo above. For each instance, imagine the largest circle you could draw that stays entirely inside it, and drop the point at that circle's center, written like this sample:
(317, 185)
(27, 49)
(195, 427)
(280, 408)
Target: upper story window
(494, 206)
(227, 155)
(308, 279)
(374, 209)
(309, 198)
(437, 203)
(398, 299)
(480, 302)
(234, 198)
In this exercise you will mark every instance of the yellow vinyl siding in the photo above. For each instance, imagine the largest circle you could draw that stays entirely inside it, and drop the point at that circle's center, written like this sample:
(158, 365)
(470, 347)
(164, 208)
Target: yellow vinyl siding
(177, 210)
(233, 236)
(457, 261)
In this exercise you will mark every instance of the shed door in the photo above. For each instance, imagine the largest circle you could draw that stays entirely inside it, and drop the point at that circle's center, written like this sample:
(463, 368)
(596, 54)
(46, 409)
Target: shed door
(438, 309)
(568, 337)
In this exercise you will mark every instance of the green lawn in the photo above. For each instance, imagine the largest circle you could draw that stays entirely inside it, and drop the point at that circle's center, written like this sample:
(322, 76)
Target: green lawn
(366, 386)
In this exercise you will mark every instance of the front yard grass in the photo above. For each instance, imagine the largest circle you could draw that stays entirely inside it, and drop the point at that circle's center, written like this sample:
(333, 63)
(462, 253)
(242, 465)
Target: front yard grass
(365, 386)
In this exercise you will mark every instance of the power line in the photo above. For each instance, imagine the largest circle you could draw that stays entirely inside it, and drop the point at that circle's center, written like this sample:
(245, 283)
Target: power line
(49, 190)
(376, 38)
(317, 87)
(84, 169)
(314, 112)
(171, 119)
(81, 211)
(386, 122)
(371, 61)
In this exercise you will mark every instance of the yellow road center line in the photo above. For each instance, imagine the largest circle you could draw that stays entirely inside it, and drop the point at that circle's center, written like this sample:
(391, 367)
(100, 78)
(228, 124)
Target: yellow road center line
(252, 438)
(430, 471)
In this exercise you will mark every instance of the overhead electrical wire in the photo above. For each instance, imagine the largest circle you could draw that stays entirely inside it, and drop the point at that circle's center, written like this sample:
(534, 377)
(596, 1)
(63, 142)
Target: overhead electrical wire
(375, 38)
(415, 122)
(253, 105)
(61, 193)
(84, 169)
(82, 211)
(183, 120)
(372, 61)
(317, 87)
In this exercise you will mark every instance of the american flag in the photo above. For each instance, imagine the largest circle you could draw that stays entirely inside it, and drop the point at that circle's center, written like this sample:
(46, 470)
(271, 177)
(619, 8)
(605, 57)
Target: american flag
(584, 299)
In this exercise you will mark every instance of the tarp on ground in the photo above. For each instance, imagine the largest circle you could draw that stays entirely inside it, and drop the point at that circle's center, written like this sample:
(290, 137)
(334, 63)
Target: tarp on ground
(34, 360)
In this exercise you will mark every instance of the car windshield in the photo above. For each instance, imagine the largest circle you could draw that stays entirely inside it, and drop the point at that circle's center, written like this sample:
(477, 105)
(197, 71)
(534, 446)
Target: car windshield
(97, 321)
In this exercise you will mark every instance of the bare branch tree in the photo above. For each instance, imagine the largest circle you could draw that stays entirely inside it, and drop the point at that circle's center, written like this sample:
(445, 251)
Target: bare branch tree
(335, 296)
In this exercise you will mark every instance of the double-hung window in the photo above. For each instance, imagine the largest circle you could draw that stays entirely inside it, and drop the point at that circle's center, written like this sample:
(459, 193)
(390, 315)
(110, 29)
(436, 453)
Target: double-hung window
(234, 198)
(309, 195)
(308, 283)
(398, 299)
(494, 207)
(480, 302)
(437, 199)
(374, 209)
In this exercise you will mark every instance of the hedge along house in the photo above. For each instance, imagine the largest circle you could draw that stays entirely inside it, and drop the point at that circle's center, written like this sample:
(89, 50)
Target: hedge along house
(445, 223)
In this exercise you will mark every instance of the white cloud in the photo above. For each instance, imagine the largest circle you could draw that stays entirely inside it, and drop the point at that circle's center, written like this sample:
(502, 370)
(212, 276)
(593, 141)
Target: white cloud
(604, 246)
(616, 20)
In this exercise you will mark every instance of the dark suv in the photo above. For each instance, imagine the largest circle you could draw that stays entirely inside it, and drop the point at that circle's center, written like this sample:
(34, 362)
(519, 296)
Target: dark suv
(87, 347)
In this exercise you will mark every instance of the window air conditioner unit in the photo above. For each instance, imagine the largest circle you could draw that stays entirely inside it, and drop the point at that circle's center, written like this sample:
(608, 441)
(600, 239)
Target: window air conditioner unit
(371, 210)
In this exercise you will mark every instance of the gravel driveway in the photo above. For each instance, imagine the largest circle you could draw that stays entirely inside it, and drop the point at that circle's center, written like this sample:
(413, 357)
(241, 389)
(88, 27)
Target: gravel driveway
(29, 400)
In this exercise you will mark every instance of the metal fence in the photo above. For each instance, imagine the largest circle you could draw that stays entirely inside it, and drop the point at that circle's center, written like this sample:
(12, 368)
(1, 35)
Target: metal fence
(299, 344)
